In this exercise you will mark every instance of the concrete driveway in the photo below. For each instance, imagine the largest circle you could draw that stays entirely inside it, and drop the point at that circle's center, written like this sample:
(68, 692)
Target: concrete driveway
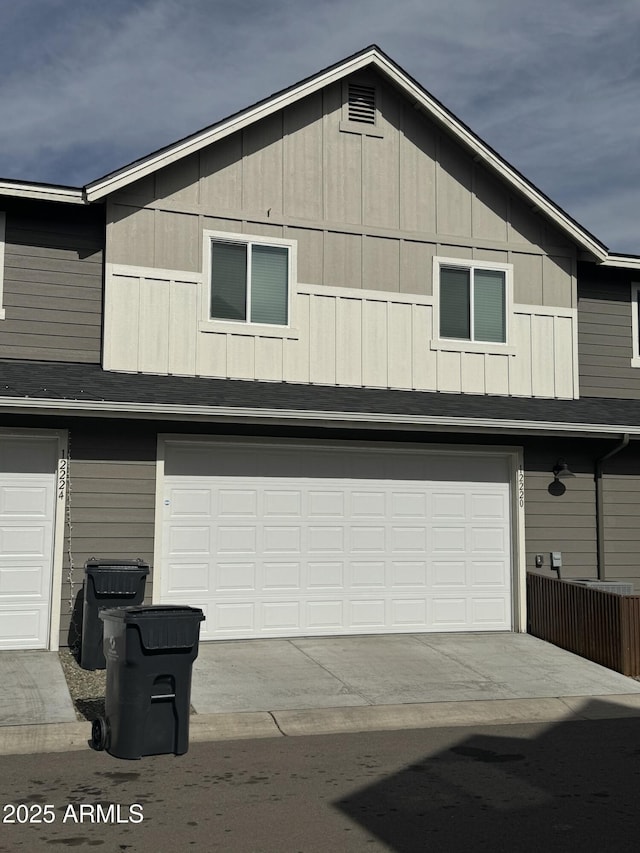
(323, 683)
(396, 669)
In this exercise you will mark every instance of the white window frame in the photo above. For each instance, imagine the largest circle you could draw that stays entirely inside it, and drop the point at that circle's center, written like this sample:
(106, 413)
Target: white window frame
(635, 323)
(3, 225)
(462, 345)
(211, 324)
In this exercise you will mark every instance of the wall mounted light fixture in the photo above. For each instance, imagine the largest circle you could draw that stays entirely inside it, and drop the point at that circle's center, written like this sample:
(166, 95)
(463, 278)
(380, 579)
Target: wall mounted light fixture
(561, 470)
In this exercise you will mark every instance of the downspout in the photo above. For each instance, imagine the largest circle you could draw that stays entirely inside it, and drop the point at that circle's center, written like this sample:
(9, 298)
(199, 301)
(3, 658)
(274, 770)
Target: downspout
(600, 504)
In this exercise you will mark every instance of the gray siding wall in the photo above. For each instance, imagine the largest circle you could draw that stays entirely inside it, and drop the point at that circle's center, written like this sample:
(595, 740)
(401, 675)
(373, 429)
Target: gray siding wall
(110, 505)
(605, 345)
(567, 522)
(52, 282)
(621, 481)
(367, 211)
(564, 522)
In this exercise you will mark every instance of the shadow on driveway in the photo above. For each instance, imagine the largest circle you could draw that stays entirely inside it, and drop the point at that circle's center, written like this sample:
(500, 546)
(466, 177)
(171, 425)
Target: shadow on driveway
(574, 786)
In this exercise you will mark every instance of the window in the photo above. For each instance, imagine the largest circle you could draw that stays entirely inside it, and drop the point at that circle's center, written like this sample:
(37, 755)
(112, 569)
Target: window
(250, 279)
(472, 301)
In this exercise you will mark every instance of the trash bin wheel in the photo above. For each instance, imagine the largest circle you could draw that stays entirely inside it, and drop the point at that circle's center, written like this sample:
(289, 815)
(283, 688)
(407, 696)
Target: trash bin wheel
(99, 733)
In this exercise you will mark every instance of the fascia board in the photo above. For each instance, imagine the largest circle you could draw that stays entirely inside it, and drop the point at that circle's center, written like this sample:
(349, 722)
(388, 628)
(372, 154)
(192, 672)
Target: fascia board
(628, 262)
(42, 192)
(369, 58)
(298, 416)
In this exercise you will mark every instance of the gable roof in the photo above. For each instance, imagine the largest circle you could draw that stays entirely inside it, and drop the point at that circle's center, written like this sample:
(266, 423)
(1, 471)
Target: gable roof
(370, 58)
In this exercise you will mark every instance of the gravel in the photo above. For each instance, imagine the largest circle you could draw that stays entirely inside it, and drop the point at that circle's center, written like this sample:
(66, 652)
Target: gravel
(87, 687)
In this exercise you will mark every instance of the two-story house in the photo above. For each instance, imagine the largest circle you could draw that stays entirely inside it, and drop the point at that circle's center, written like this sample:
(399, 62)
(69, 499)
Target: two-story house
(324, 365)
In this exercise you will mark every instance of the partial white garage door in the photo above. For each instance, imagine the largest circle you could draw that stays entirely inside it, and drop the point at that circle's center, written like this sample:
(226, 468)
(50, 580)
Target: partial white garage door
(275, 540)
(27, 507)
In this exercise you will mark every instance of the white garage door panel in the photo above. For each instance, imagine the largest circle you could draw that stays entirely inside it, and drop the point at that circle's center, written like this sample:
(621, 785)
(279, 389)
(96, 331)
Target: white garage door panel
(23, 627)
(27, 508)
(289, 555)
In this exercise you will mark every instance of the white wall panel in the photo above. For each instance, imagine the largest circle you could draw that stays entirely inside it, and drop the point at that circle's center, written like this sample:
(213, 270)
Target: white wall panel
(211, 355)
(343, 336)
(121, 322)
(400, 345)
(296, 350)
(268, 355)
(153, 347)
(542, 356)
(497, 374)
(473, 372)
(322, 339)
(349, 342)
(374, 343)
(520, 368)
(183, 325)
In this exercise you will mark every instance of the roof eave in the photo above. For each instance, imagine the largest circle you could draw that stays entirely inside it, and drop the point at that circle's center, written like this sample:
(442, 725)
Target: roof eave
(341, 419)
(43, 192)
(629, 262)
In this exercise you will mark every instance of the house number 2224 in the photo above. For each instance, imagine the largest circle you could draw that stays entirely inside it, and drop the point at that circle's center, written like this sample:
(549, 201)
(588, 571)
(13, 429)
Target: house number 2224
(521, 487)
(62, 478)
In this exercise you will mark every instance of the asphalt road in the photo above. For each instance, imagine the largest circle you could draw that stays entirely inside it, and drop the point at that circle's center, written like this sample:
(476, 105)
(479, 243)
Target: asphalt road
(562, 787)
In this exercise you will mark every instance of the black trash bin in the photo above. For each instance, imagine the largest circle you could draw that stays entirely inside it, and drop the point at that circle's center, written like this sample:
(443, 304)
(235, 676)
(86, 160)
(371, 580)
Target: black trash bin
(107, 583)
(150, 651)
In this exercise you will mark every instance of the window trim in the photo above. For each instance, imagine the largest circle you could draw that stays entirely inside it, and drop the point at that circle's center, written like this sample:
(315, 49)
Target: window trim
(635, 324)
(3, 227)
(246, 327)
(462, 345)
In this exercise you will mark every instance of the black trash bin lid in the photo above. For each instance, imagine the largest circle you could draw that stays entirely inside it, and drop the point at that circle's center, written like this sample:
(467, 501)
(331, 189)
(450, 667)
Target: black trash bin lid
(116, 577)
(161, 626)
(105, 564)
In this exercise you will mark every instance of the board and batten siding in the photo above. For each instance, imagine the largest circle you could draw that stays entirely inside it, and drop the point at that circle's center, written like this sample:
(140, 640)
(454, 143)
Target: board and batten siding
(53, 278)
(605, 333)
(366, 211)
(110, 506)
(367, 214)
(337, 337)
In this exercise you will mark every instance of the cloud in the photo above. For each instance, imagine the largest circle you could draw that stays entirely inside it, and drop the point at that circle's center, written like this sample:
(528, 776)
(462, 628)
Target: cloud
(552, 86)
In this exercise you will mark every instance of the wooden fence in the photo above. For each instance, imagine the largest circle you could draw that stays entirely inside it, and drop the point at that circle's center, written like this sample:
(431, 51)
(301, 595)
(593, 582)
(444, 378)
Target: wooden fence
(601, 626)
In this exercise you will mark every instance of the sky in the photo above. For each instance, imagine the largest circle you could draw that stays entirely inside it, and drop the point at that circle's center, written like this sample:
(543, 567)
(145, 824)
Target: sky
(91, 85)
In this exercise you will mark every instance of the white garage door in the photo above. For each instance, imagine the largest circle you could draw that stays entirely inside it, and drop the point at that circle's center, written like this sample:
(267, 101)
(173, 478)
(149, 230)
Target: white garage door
(305, 540)
(27, 506)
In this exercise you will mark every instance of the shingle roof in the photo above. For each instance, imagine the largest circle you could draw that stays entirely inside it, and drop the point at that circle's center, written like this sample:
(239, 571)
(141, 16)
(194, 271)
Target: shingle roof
(86, 388)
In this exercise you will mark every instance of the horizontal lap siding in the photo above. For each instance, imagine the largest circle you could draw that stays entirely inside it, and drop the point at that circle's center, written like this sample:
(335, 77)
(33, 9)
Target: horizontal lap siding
(566, 522)
(52, 283)
(111, 505)
(605, 342)
(622, 517)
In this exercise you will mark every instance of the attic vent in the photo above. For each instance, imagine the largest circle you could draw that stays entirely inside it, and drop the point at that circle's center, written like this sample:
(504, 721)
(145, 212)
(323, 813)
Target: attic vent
(362, 104)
